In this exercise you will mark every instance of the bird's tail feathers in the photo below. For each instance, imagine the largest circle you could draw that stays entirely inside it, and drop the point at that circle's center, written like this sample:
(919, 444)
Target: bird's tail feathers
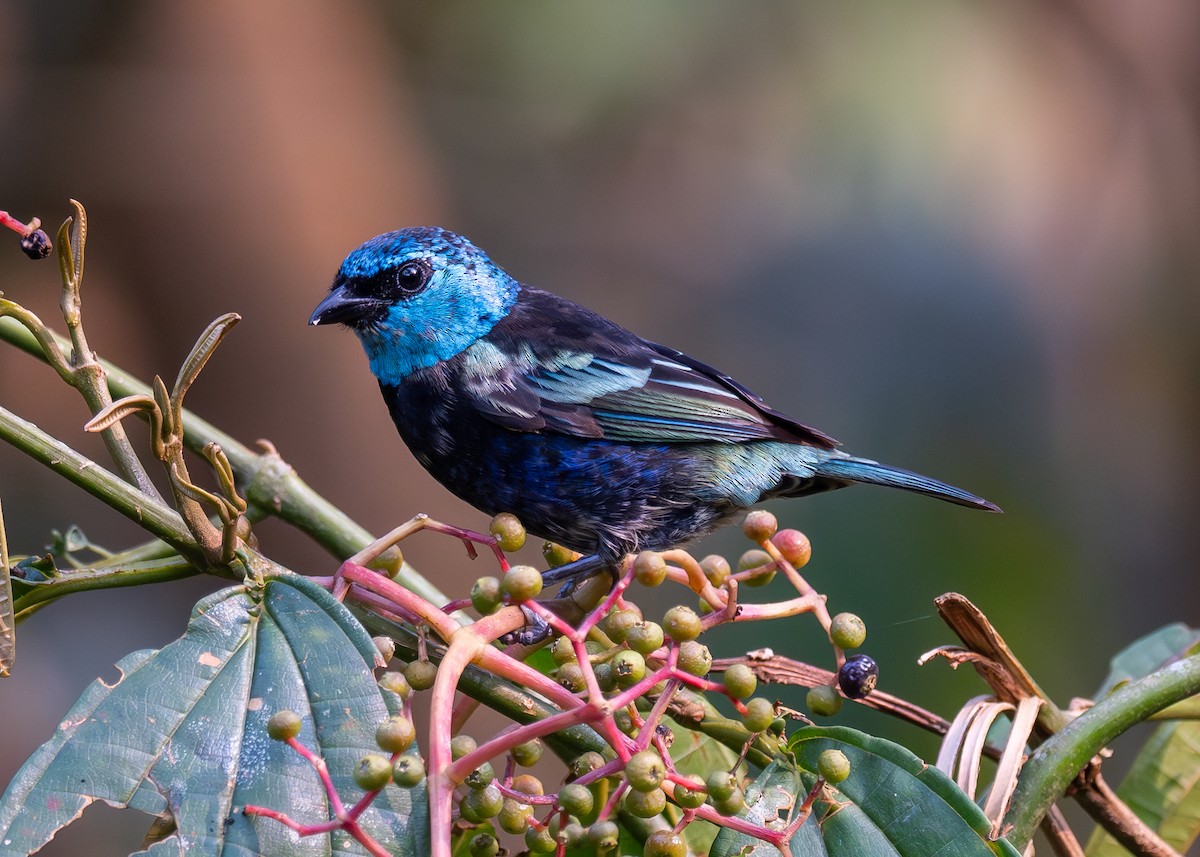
(873, 473)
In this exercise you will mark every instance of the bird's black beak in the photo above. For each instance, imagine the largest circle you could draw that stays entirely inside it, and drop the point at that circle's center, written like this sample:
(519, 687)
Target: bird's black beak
(342, 307)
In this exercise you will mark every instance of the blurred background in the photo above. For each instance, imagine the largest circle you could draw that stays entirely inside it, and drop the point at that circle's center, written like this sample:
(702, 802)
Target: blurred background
(961, 238)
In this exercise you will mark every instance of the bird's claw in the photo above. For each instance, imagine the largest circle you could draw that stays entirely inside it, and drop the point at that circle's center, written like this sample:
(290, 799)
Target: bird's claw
(536, 630)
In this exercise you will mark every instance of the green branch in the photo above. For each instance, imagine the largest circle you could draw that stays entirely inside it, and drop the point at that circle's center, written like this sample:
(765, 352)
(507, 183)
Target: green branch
(1050, 770)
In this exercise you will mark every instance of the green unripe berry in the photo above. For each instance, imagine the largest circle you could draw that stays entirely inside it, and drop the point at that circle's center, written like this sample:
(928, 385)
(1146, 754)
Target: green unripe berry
(690, 798)
(624, 720)
(794, 546)
(577, 800)
(645, 804)
(514, 816)
(485, 595)
(833, 766)
(408, 771)
(527, 784)
(695, 658)
(731, 805)
(521, 583)
(618, 622)
(460, 745)
(644, 637)
(509, 532)
(386, 647)
(395, 734)
(681, 623)
(757, 559)
(740, 681)
(585, 764)
(283, 724)
(527, 754)
(760, 713)
(539, 841)
(759, 525)
(557, 555)
(372, 772)
(396, 683)
(629, 668)
(823, 701)
(716, 569)
(721, 784)
(481, 777)
(562, 652)
(847, 631)
(573, 835)
(570, 676)
(483, 845)
(645, 771)
(421, 674)
(665, 843)
(481, 804)
(649, 568)
(603, 836)
(605, 677)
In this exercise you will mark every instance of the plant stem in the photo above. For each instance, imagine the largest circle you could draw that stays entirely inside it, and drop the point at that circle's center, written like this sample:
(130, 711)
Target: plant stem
(1060, 759)
(82, 580)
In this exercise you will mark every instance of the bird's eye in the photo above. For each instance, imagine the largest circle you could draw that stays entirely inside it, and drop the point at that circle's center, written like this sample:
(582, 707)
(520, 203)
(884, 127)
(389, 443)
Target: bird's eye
(411, 277)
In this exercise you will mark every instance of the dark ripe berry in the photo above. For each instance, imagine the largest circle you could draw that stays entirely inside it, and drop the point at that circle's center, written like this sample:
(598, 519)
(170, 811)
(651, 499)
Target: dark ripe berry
(716, 569)
(570, 676)
(760, 713)
(644, 637)
(577, 800)
(386, 647)
(665, 843)
(757, 559)
(485, 595)
(539, 841)
(759, 525)
(514, 816)
(585, 764)
(284, 724)
(460, 745)
(645, 771)
(721, 784)
(847, 631)
(509, 532)
(794, 546)
(527, 784)
(858, 676)
(823, 701)
(557, 555)
(645, 804)
(481, 777)
(833, 766)
(408, 771)
(682, 623)
(528, 753)
(617, 623)
(481, 804)
(603, 836)
(629, 668)
(740, 681)
(650, 569)
(731, 805)
(421, 674)
(396, 734)
(695, 658)
(521, 583)
(36, 245)
(373, 772)
(396, 683)
(690, 798)
(483, 845)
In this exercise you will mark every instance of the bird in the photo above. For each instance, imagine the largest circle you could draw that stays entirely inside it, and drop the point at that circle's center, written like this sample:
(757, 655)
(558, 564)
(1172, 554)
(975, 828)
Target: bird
(519, 400)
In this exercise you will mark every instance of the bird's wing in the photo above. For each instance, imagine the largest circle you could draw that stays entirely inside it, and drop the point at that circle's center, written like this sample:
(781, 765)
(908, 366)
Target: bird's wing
(557, 367)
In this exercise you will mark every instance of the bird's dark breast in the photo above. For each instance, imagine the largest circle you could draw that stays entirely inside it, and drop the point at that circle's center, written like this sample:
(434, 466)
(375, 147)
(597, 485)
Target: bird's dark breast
(589, 495)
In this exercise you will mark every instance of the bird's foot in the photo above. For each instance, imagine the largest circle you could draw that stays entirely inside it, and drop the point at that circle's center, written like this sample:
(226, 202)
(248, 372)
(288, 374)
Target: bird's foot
(536, 630)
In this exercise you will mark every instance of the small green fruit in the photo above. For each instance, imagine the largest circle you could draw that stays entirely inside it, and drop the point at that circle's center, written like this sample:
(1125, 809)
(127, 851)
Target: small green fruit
(833, 766)
(509, 532)
(373, 772)
(283, 724)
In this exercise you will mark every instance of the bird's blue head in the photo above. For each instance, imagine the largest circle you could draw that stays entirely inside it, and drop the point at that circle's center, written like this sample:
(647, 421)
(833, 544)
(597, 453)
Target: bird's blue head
(415, 297)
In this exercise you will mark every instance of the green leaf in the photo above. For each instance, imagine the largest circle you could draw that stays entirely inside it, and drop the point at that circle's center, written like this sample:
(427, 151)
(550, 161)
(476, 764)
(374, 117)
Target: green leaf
(891, 804)
(183, 733)
(1163, 785)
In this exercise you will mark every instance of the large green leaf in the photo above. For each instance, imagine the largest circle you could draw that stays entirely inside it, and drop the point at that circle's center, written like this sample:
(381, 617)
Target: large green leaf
(891, 804)
(182, 733)
(1163, 785)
